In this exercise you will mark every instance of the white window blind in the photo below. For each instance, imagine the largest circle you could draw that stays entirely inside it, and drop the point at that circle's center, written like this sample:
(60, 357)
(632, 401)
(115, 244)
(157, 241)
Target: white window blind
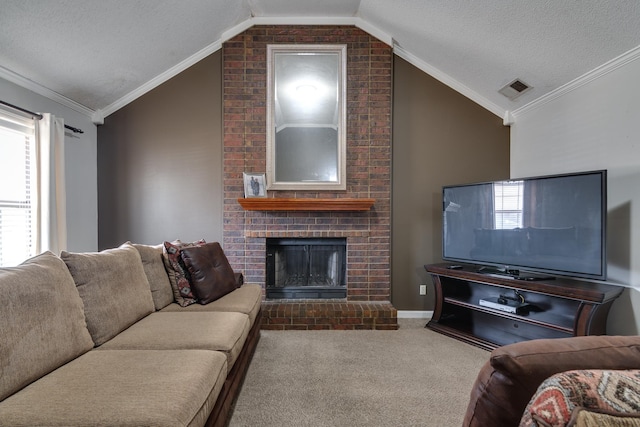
(17, 188)
(508, 204)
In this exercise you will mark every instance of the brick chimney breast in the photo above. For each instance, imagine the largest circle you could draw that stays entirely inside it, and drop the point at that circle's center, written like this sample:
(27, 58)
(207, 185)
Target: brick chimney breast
(368, 234)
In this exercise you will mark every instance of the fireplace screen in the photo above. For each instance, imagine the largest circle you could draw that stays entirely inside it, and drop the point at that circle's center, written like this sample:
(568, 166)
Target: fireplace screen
(306, 268)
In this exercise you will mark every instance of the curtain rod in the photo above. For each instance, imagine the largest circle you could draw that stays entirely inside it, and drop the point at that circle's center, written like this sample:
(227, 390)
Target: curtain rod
(38, 116)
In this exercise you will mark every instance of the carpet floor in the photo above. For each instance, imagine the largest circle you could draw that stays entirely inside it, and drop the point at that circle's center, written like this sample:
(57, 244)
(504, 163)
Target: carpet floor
(409, 377)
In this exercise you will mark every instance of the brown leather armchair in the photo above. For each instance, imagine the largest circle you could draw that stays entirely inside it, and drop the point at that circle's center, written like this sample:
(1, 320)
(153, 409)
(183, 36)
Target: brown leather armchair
(506, 383)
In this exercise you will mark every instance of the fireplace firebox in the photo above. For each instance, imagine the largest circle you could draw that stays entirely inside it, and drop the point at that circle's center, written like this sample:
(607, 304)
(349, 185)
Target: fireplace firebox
(306, 268)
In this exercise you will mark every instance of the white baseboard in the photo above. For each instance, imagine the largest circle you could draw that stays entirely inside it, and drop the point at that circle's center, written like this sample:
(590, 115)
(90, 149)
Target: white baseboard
(414, 314)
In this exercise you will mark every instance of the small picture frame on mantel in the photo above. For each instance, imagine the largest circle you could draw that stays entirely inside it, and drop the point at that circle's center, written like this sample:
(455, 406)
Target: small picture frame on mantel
(254, 185)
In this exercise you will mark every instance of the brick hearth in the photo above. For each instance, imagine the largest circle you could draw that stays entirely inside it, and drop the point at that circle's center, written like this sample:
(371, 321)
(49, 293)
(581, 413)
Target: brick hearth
(314, 315)
(369, 71)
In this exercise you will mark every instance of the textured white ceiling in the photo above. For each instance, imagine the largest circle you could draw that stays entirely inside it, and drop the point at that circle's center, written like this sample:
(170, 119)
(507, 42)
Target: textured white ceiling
(98, 53)
(486, 44)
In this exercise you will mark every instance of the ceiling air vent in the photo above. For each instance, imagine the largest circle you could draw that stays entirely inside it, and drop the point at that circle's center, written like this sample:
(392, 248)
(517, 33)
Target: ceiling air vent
(515, 89)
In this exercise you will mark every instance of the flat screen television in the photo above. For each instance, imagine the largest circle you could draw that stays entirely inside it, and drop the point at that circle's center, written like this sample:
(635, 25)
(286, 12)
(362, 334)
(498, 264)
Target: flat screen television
(529, 228)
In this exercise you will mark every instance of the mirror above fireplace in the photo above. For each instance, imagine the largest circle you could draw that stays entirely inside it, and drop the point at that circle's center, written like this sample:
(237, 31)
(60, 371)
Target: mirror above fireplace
(306, 104)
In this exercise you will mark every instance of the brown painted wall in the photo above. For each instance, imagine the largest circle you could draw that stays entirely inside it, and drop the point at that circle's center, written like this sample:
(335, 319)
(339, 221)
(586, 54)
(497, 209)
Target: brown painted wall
(160, 162)
(160, 166)
(439, 138)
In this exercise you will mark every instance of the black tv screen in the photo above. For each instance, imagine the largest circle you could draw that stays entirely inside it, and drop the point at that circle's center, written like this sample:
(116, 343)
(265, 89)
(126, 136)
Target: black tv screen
(554, 225)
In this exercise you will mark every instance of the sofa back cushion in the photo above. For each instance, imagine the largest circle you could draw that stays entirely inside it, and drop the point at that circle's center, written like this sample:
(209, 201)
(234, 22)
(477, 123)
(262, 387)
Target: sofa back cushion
(42, 321)
(156, 273)
(210, 274)
(113, 288)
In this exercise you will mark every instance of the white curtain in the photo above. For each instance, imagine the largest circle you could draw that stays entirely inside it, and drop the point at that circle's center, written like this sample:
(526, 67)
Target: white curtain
(51, 222)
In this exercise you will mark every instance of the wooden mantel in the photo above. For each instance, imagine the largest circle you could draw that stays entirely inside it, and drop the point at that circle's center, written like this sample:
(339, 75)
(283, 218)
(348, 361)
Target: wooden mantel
(327, 205)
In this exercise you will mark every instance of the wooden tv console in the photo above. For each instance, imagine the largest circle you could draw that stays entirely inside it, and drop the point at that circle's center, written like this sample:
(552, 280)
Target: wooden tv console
(552, 308)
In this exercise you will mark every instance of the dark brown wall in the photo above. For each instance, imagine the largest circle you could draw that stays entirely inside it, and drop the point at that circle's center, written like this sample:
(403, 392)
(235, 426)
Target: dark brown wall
(160, 162)
(160, 166)
(439, 138)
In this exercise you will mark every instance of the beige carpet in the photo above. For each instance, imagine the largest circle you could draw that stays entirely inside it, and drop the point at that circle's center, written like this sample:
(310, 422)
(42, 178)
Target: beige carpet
(409, 377)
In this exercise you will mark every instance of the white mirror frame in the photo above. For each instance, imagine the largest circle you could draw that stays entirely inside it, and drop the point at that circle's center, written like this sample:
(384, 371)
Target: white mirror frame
(341, 182)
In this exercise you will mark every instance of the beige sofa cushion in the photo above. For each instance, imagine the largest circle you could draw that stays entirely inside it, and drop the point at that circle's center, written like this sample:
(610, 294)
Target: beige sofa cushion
(156, 274)
(113, 288)
(246, 299)
(225, 332)
(42, 324)
(123, 388)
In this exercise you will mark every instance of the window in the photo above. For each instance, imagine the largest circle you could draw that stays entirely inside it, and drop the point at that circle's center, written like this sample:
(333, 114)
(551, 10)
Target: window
(508, 204)
(17, 188)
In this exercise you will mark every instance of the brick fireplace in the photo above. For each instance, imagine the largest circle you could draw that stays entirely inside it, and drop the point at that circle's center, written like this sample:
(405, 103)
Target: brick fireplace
(367, 233)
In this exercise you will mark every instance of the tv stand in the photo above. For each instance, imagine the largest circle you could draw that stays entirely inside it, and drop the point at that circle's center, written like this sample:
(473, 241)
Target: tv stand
(490, 310)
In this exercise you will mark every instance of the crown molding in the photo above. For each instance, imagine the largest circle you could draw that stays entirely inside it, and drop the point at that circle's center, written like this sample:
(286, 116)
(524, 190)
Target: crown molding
(161, 78)
(449, 81)
(229, 34)
(355, 21)
(275, 20)
(235, 30)
(577, 83)
(508, 118)
(176, 69)
(46, 92)
(374, 31)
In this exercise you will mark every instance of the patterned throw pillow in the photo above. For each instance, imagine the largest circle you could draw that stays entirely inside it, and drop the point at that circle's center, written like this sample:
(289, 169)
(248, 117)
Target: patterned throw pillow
(177, 272)
(611, 391)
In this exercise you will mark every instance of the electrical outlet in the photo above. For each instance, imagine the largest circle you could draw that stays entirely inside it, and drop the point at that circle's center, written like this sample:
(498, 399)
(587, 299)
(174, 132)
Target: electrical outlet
(423, 289)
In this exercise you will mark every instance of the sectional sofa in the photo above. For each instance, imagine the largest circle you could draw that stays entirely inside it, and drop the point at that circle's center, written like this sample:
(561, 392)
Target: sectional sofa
(109, 338)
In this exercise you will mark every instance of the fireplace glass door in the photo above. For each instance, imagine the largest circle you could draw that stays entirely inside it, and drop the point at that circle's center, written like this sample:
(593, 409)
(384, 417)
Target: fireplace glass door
(306, 268)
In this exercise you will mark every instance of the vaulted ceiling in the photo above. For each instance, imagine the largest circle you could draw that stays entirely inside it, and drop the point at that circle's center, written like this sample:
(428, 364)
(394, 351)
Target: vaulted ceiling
(96, 56)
